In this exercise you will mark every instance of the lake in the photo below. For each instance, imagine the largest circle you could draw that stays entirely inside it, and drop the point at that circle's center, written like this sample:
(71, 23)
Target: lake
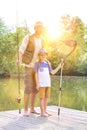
(74, 93)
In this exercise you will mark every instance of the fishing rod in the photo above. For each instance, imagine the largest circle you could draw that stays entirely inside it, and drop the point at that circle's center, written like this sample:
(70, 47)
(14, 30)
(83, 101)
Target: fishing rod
(17, 39)
(72, 44)
(60, 90)
(18, 98)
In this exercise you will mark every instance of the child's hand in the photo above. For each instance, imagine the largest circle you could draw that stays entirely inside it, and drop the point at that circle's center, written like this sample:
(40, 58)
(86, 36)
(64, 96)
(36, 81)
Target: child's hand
(62, 62)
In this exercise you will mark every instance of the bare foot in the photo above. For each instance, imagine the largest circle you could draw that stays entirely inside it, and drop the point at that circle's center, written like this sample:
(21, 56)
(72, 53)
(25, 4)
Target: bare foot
(26, 113)
(44, 115)
(48, 114)
(34, 112)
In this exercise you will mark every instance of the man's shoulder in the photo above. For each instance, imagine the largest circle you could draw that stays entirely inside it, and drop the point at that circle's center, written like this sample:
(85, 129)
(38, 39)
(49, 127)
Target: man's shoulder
(28, 37)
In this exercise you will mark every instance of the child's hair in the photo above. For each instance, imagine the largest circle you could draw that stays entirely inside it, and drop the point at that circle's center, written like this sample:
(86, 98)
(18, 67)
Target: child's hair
(42, 51)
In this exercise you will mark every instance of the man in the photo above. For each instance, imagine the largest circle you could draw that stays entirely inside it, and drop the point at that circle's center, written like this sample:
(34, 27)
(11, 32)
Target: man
(28, 53)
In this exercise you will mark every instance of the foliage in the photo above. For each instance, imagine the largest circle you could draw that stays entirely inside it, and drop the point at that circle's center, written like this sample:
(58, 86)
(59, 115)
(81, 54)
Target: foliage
(72, 28)
(3, 29)
(9, 42)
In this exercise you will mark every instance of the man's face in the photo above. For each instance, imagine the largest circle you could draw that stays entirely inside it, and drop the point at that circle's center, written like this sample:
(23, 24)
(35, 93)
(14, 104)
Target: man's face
(39, 29)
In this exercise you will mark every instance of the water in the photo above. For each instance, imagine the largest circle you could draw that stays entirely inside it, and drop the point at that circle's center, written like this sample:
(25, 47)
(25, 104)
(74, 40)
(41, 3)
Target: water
(74, 91)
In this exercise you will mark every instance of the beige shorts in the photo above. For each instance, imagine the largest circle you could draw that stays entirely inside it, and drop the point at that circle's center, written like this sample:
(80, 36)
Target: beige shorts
(29, 81)
(44, 92)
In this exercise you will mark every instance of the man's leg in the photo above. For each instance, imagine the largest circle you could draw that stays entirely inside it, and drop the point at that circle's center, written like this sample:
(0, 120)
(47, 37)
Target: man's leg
(32, 105)
(26, 100)
(33, 97)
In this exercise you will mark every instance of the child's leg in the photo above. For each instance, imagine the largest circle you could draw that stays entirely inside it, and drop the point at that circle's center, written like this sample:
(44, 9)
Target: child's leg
(47, 95)
(43, 101)
(42, 96)
(45, 104)
(42, 106)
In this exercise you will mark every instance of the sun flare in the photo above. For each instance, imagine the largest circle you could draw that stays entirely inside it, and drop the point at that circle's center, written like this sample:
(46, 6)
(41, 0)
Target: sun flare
(53, 30)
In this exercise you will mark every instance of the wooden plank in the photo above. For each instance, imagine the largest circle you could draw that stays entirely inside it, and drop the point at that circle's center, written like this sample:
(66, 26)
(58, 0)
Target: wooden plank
(69, 119)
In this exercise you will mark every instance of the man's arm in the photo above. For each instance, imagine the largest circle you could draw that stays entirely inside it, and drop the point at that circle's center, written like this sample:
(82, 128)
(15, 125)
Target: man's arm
(22, 49)
(37, 80)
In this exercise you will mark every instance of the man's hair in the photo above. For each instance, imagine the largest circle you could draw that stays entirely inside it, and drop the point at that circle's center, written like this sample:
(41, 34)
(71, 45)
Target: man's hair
(39, 23)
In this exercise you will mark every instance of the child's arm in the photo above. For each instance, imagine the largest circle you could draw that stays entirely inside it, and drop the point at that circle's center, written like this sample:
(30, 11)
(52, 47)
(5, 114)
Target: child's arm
(57, 68)
(37, 80)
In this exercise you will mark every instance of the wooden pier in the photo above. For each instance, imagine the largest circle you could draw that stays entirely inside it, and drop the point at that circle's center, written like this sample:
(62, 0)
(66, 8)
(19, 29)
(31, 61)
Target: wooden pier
(69, 119)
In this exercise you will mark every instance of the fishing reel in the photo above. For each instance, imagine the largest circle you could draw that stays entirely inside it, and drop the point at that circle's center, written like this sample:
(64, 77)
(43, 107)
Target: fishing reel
(18, 100)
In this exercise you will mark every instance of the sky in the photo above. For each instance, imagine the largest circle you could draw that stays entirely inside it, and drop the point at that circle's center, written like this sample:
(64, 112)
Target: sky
(14, 12)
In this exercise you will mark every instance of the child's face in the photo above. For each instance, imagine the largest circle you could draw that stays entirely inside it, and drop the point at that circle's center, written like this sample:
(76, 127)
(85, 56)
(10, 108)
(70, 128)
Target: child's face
(42, 56)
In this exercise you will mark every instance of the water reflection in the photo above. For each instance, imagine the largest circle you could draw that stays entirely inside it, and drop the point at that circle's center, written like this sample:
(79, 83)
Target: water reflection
(9, 93)
(73, 93)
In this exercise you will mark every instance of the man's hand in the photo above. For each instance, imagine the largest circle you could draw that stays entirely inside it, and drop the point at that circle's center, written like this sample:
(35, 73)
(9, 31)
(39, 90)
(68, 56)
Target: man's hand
(37, 87)
(18, 62)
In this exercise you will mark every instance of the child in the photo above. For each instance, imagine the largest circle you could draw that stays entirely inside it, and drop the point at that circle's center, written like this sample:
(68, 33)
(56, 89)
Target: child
(42, 71)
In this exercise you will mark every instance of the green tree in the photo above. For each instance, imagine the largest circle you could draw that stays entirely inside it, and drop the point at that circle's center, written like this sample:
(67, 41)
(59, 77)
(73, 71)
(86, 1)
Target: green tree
(72, 28)
(9, 44)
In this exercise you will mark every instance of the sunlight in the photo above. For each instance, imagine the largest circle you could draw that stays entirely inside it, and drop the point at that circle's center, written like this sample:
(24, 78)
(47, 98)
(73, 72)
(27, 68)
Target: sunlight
(53, 30)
